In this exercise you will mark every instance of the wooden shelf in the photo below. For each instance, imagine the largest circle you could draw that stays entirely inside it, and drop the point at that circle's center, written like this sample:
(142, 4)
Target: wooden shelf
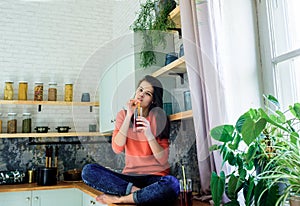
(54, 134)
(52, 103)
(177, 66)
(181, 115)
(175, 16)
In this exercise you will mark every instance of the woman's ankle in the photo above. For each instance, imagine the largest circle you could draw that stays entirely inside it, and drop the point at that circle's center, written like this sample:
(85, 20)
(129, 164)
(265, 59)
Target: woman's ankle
(134, 188)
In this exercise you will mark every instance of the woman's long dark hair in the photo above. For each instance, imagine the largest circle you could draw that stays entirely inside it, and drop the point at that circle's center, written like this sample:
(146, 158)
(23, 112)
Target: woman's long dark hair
(156, 108)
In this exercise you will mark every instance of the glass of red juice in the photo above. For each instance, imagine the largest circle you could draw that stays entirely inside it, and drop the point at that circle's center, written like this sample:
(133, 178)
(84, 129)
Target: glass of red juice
(138, 112)
(186, 196)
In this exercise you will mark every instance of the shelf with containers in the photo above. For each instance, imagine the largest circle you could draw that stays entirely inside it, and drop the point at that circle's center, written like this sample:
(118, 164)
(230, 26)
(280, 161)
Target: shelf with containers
(177, 67)
(54, 134)
(38, 95)
(50, 134)
(22, 100)
(53, 103)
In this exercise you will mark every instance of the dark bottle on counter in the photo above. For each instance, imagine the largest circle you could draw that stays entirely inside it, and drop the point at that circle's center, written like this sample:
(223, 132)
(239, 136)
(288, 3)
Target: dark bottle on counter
(26, 123)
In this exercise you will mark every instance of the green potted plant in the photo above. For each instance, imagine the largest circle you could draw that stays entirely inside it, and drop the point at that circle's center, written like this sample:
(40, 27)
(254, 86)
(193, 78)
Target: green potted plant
(284, 168)
(249, 147)
(152, 21)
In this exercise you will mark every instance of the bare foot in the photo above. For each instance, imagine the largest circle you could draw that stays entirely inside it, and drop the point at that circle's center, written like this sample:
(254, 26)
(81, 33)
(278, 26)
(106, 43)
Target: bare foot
(107, 199)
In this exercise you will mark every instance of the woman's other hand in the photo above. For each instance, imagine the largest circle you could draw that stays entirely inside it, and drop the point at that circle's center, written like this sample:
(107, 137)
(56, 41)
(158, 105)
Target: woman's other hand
(131, 106)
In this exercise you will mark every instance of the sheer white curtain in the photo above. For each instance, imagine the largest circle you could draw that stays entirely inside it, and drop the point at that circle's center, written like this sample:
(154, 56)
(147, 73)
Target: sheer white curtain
(201, 39)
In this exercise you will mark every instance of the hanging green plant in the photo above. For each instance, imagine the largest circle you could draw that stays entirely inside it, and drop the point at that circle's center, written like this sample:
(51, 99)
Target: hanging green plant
(152, 18)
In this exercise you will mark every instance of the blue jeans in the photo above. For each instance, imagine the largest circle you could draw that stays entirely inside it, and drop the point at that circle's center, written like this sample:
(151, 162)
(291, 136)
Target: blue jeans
(155, 190)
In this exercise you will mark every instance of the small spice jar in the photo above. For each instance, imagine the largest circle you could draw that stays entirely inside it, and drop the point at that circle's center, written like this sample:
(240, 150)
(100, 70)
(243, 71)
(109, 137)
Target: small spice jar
(38, 91)
(68, 92)
(8, 90)
(23, 88)
(52, 91)
(12, 123)
(26, 123)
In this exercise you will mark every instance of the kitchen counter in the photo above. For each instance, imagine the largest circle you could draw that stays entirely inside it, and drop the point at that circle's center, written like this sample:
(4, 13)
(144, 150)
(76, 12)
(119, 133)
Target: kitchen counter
(60, 185)
(64, 185)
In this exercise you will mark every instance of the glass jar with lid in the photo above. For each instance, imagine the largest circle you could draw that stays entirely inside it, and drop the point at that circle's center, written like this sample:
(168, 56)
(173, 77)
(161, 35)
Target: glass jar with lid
(52, 91)
(12, 122)
(26, 123)
(38, 91)
(9, 90)
(68, 92)
(23, 87)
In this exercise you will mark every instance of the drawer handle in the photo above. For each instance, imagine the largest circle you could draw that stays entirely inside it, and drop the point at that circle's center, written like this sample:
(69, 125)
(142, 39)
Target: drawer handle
(92, 202)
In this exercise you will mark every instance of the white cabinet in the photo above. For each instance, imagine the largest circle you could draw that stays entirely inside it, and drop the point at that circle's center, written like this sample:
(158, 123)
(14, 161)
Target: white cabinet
(15, 198)
(108, 87)
(116, 87)
(58, 197)
(117, 84)
(87, 200)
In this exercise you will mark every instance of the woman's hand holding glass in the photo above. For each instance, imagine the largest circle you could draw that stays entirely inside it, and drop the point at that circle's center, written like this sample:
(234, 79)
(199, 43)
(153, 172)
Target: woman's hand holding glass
(143, 125)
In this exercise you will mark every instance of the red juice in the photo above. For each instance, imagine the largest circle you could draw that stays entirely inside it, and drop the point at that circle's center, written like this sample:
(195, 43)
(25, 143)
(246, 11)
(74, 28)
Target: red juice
(186, 198)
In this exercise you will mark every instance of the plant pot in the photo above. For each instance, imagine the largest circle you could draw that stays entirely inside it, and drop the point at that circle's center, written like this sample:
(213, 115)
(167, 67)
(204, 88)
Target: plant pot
(170, 57)
(295, 201)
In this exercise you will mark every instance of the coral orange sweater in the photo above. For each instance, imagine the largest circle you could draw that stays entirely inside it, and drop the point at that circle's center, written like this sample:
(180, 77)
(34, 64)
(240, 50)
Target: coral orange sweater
(139, 158)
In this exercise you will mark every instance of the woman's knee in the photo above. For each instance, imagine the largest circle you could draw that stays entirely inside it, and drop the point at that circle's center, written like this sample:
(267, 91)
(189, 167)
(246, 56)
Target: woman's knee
(89, 170)
(172, 182)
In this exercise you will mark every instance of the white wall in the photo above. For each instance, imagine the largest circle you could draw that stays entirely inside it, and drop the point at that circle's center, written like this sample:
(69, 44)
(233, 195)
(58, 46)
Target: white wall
(124, 15)
(53, 41)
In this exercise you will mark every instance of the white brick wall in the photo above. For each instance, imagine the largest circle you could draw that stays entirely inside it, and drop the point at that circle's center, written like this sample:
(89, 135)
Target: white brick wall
(124, 15)
(62, 41)
(53, 41)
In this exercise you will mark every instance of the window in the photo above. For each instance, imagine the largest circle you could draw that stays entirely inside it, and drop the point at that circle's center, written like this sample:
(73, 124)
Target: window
(280, 48)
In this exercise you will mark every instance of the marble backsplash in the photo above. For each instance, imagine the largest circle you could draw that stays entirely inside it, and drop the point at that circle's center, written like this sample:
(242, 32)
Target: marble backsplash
(21, 154)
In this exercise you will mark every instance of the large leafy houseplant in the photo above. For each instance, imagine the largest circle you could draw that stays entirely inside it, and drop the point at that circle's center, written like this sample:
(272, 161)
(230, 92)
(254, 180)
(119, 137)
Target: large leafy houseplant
(152, 22)
(249, 147)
